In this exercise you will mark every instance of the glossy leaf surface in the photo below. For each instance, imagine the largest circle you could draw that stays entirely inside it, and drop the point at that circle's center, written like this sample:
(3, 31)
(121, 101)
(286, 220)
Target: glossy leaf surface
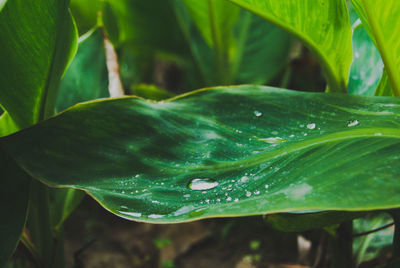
(221, 152)
(38, 39)
(323, 26)
(14, 196)
(381, 20)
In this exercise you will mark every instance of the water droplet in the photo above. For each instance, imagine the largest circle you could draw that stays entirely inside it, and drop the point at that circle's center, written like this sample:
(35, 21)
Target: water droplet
(311, 126)
(273, 140)
(352, 123)
(257, 113)
(202, 184)
(244, 179)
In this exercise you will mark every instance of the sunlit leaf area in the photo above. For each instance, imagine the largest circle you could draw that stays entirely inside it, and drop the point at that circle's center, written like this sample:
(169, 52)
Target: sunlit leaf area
(199, 133)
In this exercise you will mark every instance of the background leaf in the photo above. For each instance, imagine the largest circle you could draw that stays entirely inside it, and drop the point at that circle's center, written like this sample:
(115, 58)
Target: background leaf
(380, 20)
(86, 78)
(253, 51)
(300, 222)
(35, 62)
(367, 66)
(224, 152)
(14, 195)
(324, 28)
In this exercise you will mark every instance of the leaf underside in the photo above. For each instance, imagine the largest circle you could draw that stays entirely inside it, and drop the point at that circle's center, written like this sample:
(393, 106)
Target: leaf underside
(256, 150)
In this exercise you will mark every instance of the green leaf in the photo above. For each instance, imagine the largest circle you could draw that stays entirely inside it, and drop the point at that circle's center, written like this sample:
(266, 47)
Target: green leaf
(86, 78)
(368, 247)
(14, 195)
(382, 23)
(323, 27)
(85, 13)
(62, 203)
(384, 88)
(300, 222)
(262, 50)
(236, 151)
(242, 57)
(38, 42)
(366, 69)
(150, 92)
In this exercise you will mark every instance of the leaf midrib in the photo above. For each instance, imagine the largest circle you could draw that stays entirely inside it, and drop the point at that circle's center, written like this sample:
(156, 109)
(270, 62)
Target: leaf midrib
(298, 146)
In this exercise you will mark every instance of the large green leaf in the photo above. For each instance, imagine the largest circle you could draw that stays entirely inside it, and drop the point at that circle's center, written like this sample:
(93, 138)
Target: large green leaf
(381, 21)
(14, 195)
(323, 26)
(223, 152)
(38, 39)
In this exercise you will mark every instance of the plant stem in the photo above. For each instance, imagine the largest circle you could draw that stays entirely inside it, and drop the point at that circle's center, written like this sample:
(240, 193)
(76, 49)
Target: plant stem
(115, 86)
(343, 246)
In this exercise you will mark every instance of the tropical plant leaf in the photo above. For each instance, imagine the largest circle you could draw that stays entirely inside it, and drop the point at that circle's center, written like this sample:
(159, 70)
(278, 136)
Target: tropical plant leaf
(86, 78)
(35, 62)
(324, 27)
(241, 56)
(223, 152)
(368, 247)
(16, 188)
(367, 66)
(381, 21)
(85, 13)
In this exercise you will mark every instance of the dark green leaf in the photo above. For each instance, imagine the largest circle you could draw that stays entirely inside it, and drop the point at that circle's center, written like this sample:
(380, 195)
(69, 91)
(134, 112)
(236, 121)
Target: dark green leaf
(38, 39)
(14, 195)
(323, 27)
(224, 152)
(86, 78)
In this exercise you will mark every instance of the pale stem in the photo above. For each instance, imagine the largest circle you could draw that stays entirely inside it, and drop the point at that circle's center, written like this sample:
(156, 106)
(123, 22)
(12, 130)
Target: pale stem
(115, 86)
